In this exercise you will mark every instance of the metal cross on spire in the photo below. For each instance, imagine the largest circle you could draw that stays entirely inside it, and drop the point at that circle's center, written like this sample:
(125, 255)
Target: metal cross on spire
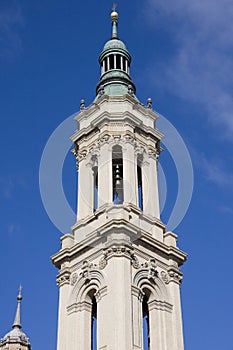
(114, 6)
(20, 288)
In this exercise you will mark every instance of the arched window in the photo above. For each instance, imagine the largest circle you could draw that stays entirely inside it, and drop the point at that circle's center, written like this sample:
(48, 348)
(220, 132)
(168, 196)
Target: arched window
(146, 324)
(94, 324)
(117, 171)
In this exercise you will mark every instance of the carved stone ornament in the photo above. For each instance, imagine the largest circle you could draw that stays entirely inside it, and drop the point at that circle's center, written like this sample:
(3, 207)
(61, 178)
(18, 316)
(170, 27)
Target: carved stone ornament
(128, 138)
(86, 271)
(175, 276)
(105, 138)
(63, 278)
(152, 273)
(139, 150)
(118, 250)
(74, 278)
(103, 262)
(134, 261)
(152, 153)
(165, 277)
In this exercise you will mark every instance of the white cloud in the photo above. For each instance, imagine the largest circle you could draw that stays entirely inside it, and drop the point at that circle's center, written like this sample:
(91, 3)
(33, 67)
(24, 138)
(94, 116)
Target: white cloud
(7, 188)
(12, 227)
(11, 21)
(226, 210)
(213, 170)
(200, 68)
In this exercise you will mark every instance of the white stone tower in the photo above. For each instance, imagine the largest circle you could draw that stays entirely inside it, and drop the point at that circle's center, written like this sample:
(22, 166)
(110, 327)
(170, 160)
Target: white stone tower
(16, 339)
(119, 272)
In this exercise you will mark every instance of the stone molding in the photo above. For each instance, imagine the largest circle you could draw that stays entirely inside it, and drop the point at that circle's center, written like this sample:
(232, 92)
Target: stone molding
(81, 153)
(80, 306)
(63, 277)
(88, 279)
(147, 278)
(173, 274)
(160, 305)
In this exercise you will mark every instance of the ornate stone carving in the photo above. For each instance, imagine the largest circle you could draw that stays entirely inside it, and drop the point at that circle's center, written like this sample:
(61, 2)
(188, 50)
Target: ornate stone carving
(130, 90)
(63, 278)
(152, 152)
(139, 150)
(152, 272)
(128, 138)
(165, 277)
(149, 103)
(82, 104)
(104, 138)
(86, 271)
(74, 278)
(103, 262)
(134, 261)
(175, 276)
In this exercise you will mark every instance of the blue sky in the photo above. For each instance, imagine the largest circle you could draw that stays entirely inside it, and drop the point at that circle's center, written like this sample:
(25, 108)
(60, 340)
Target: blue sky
(181, 59)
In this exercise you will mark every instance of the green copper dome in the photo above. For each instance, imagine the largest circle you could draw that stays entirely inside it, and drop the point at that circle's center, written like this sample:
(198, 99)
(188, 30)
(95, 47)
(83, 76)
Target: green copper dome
(114, 44)
(115, 62)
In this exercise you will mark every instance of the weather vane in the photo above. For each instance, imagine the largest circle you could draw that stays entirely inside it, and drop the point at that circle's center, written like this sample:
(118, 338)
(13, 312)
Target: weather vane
(114, 6)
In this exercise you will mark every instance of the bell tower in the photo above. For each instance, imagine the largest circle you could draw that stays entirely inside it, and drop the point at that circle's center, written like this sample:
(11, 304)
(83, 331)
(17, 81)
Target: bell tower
(119, 275)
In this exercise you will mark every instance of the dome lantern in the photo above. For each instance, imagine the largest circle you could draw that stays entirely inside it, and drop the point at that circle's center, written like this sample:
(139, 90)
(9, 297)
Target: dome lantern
(115, 63)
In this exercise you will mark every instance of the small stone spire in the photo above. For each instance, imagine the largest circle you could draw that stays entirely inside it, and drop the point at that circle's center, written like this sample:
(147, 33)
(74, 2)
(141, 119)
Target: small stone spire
(17, 322)
(114, 16)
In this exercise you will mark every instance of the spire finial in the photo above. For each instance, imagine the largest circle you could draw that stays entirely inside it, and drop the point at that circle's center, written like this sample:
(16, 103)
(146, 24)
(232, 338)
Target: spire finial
(114, 17)
(114, 7)
(17, 323)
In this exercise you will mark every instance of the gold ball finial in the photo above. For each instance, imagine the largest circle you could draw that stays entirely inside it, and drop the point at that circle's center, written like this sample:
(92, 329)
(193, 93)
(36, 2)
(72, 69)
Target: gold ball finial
(114, 15)
(20, 297)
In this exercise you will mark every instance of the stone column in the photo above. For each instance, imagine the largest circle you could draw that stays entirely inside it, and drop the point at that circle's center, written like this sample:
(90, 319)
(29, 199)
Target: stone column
(137, 297)
(63, 282)
(115, 313)
(150, 187)
(105, 175)
(85, 189)
(174, 289)
(85, 327)
(156, 335)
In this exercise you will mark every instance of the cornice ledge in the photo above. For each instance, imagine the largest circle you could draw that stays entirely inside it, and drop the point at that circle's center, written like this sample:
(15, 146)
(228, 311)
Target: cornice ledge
(149, 130)
(85, 113)
(145, 111)
(115, 116)
(172, 252)
(82, 133)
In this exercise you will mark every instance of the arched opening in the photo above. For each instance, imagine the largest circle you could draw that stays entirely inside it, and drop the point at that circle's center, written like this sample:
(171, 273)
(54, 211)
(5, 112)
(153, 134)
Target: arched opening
(117, 171)
(139, 183)
(146, 324)
(95, 182)
(94, 324)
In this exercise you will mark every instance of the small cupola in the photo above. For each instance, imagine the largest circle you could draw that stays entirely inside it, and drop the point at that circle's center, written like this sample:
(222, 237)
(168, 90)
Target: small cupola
(16, 338)
(115, 63)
